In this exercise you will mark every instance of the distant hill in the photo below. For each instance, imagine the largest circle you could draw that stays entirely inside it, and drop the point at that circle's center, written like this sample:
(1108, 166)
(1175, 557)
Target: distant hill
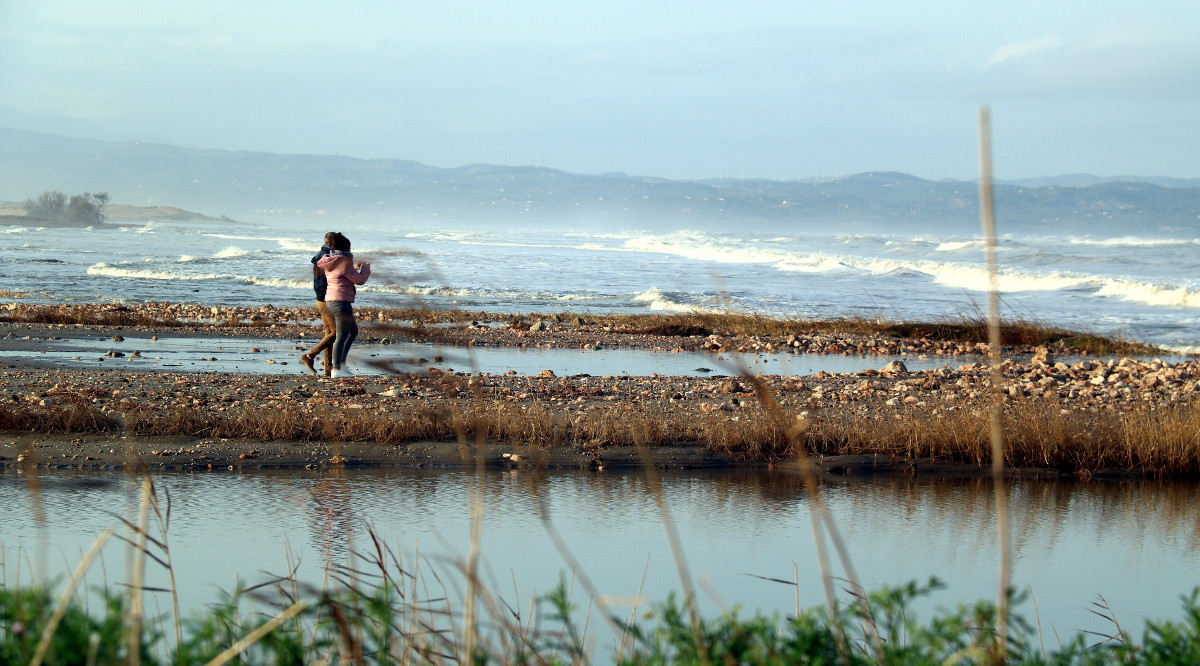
(266, 186)
(1087, 179)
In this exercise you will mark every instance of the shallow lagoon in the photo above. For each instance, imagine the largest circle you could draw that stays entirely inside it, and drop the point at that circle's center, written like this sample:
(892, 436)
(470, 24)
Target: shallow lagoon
(1134, 544)
(266, 355)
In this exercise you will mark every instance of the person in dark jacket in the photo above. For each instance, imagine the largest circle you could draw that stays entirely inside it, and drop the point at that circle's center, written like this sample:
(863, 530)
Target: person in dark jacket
(320, 285)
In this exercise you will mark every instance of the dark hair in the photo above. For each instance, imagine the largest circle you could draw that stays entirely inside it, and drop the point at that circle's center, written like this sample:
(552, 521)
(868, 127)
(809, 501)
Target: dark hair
(329, 238)
(341, 243)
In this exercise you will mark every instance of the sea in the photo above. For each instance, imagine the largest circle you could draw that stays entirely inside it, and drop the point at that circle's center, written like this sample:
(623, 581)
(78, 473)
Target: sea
(1144, 288)
(1079, 547)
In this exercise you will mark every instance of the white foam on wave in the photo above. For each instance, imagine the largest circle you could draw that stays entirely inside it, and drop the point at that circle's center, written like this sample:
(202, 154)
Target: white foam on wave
(417, 290)
(108, 270)
(651, 294)
(482, 239)
(1170, 296)
(275, 282)
(130, 271)
(955, 246)
(447, 236)
(965, 276)
(371, 253)
(975, 278)
(661, 302)
(266, 239)
(702, 248)
(960, 275)
(811, 263)
(1183, 350)
(231, 252)
(543, 246)
(444, 291)
(599, 234)
(298, 245)
(579, 297)
(597, 247)
(16, 230)
(1132, 241)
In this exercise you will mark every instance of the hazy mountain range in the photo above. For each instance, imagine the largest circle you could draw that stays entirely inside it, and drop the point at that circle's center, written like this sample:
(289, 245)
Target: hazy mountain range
(264, 186)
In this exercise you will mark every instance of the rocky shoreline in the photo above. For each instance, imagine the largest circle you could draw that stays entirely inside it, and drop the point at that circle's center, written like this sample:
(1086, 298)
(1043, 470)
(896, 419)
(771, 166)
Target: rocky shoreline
(597, 422)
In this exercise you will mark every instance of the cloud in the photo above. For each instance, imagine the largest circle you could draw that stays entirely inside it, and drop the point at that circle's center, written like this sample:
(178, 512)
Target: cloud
(1016, 50)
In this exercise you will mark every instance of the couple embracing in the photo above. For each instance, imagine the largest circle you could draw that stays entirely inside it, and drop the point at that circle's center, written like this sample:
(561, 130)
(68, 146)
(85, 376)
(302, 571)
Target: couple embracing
(335, 276)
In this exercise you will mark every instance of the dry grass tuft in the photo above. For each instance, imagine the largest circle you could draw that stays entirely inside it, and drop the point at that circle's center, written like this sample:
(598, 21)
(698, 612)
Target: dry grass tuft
(167, 422)
(1037, 433)
(755, 435)
(57, 419)
(90, 314)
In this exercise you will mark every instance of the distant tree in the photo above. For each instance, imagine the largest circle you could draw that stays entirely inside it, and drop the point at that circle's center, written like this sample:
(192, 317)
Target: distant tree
(86, 208)
(53, 206)
(49, 205)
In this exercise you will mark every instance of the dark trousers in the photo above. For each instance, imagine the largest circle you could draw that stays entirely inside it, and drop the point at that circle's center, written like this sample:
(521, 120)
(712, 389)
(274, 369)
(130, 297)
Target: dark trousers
(346, 327)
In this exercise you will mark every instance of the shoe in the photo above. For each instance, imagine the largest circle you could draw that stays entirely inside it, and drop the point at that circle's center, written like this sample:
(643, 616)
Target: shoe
(308, 363)
(342, 373)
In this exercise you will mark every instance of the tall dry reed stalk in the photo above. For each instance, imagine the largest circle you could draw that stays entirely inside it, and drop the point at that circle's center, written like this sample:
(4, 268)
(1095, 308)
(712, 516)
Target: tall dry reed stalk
(996, 415)
(142, 539)
(67, 595)
(258, 634)
(137, 610)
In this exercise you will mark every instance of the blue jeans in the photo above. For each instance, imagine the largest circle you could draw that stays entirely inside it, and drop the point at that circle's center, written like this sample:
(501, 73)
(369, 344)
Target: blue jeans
(346, 327)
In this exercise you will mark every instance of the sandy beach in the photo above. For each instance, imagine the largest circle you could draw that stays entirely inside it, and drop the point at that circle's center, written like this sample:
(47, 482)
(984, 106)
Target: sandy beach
(589, 421)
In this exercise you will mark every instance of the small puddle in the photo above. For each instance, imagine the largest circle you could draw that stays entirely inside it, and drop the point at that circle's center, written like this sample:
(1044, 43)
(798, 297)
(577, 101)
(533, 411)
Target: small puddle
(272, 356)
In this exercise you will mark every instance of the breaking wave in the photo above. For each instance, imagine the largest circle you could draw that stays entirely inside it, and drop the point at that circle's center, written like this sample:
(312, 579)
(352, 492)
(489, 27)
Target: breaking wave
(661, 301)
(1132, 241)
(265, 239)
(1160, 295)
(298, 245)
(955, 246)
(108, 270)
(975, 278)
(954, 274)
(231, 252)
(274, 282)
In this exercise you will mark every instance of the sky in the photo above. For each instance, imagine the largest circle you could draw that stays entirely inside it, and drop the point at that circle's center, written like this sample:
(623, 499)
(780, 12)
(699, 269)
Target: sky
(673, 88)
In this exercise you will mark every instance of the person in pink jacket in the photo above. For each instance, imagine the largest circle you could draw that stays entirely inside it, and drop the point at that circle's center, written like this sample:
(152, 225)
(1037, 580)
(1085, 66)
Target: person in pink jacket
(342, 274)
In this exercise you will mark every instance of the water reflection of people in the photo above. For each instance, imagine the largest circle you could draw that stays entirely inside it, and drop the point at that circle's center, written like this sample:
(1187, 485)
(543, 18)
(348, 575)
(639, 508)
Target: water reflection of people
(331, 519)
